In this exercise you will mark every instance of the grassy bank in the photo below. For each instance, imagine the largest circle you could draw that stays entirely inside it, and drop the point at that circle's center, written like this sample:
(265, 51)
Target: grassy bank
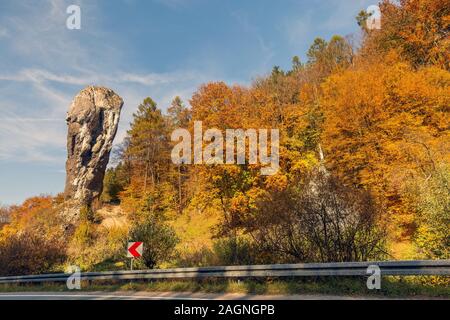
(391, 286)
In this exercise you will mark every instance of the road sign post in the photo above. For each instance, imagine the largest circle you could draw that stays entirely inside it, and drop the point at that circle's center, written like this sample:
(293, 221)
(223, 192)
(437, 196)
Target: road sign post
(134, 250)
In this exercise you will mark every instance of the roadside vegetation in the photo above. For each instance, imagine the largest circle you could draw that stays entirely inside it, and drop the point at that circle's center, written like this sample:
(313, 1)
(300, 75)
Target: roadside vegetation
(352, 286)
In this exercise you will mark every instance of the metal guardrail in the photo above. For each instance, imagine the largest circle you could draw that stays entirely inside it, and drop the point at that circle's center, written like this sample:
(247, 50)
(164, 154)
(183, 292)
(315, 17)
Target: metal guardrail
(391, 268)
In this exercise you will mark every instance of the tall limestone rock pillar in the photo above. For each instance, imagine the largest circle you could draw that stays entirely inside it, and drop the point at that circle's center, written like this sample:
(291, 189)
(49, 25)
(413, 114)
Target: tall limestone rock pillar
(93, 119)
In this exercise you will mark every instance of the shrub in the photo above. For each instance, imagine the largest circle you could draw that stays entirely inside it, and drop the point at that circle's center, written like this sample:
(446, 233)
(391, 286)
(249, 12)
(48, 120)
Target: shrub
(159, 240)
(234, 251)
(93, 246)
(320, 220)
(430, 198)
(29, 253)
(33, 241)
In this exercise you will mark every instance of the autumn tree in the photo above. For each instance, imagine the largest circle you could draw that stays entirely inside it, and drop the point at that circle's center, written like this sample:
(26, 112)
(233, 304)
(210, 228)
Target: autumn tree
(179, 116)
(4, 215)
(33, 240)
(417, 29)
(380, 121)
(148, 143)
(147, 155)
(327, 57)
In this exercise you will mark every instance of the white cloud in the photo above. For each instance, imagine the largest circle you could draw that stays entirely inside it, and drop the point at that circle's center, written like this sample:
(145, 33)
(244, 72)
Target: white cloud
(34, 98)
(27, 138)
(37, 76)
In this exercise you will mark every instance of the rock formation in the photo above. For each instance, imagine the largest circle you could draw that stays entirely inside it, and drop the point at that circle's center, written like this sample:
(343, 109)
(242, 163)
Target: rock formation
(93, 119)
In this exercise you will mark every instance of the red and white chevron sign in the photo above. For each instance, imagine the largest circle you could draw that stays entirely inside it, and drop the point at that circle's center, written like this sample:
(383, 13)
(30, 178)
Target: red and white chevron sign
(135, 249)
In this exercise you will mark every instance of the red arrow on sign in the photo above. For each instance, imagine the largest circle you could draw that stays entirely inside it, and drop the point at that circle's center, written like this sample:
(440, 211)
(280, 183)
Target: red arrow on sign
(135, 249)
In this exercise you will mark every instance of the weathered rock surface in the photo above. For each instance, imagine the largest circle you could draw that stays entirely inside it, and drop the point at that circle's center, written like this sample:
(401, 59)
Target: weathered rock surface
(93, 119)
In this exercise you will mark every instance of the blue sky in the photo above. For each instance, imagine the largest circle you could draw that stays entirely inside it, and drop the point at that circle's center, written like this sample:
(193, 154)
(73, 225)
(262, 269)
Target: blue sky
(139, 48)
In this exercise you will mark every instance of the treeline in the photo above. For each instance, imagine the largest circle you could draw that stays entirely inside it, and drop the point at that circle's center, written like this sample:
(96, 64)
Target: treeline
(378, 114)
(364, 157)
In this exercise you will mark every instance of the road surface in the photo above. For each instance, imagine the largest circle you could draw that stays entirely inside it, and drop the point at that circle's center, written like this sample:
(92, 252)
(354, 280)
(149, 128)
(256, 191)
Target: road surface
(127, 295)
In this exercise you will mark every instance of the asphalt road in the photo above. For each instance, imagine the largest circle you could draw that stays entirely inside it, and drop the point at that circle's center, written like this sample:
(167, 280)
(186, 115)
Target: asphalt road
(167, 296)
